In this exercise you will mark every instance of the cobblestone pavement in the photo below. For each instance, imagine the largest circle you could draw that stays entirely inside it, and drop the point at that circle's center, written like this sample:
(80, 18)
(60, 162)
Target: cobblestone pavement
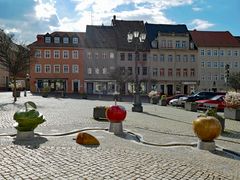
(117, 157)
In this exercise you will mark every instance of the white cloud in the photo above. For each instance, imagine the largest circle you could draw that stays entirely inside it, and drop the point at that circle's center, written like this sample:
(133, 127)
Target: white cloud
(44, 9)
(197, 9)
(200, 24)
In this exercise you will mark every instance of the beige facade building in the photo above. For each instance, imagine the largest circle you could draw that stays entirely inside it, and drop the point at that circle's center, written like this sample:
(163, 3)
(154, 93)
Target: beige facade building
(215, 51)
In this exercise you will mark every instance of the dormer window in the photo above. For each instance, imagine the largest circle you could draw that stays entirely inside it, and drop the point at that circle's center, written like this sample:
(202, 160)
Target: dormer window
(47, 39)
(65, 40)
(75, 40)
(56, 40)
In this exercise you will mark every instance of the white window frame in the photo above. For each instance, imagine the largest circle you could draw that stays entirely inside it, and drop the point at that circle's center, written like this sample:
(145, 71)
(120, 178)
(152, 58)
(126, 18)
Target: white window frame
(75, 54)
(65, 66)
(65, 54)
(48, 39)
(75, 40)
(89, 70)
(111, 55)
(96, 70)
(47, 54)
(38, 68)
(55, 67)
(45, 68)
(57, 40)
(37, 53)
(104, 55)
(209, 64)
(56, 54)
(65, 40)
(215, 64)
(75, 68)
(104, 70)
(89, 55)
(202, 52)
(202, 64)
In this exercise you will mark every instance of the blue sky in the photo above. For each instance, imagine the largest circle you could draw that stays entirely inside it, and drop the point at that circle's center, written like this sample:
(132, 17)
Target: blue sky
(27, 18)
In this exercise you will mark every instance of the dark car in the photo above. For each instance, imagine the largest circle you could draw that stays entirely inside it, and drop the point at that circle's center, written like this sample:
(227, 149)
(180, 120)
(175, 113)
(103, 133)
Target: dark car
(203, 95)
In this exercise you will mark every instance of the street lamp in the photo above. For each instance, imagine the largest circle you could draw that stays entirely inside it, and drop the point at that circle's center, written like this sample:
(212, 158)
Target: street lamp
(136, 37)
(26, 81)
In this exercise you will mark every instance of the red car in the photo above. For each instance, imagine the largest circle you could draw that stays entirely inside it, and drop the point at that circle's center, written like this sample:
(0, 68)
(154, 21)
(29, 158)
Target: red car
(216, 101)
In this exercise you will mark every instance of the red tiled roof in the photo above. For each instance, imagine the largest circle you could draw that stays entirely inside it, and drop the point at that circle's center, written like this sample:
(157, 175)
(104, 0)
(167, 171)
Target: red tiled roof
(214, 39)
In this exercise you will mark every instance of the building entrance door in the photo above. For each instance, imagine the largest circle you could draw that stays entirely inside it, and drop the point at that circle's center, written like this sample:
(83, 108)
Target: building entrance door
(169, 90)
(89, 88)
(75, 86)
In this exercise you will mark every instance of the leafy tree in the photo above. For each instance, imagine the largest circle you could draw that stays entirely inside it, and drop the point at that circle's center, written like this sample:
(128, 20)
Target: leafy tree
(14, 58)
(234, 81)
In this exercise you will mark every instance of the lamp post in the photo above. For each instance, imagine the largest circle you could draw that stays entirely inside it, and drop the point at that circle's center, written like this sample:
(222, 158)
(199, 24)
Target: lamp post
(26, 81)
(136, 37)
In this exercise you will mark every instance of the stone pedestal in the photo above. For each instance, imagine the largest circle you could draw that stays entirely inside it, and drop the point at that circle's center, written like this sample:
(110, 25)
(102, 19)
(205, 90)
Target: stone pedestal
(116, 128)
(203, 145)
(25, 135)
(230, 113)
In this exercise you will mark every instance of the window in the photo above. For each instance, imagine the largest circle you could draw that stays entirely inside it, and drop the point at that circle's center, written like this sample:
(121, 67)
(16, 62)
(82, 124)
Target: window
(221, 52)
(155, 71)
(185, 72)
(130, 71)
(89, 55)
(37, 53)
(169, 43)
(192, 72)
(177, 44)
(161, 71)
(96, 55)
(170, 72)
(65, 68)
(221, 64)
(144, 71)
(130, 56)
(178, 58)
(163, 43)
(202, 53)
(56, 68)
(236, 64)
(184, 44)
(170, 58)
(47, 68)
(209, 64)
(185, 58)
(209, 52)
(75, 40)
(178, 72)
(122, 70)
(162, 58)
(122, 56)
(111, 55)
(137, 57)
(56, 40)
(75, 54)
(144, 57)
(235, 53)
(47, 54)
(75, 68)
(192, 58)
(65, 40)
(215, 52)
(155, 57)
(104, 70)
(89, 70)
(215, 77)
(65, 54)
(96, 70)
(104, 55)
(222, 77)
(38, 68)
(47, 39)
(202, 77)
(138, 70)
(215, 64)
(202, 64)
(229, 52)
(56, 54)
(209, 77)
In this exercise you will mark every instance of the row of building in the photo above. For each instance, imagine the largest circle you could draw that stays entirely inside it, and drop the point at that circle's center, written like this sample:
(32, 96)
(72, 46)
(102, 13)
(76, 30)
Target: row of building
(101, 60)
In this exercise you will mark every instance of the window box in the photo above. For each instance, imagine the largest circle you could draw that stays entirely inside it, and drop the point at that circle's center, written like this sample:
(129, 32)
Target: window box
(231, 113)
(191, 106)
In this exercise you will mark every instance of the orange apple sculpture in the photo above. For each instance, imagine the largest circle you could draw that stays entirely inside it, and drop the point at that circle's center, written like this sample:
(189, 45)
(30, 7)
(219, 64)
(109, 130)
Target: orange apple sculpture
(207, 128)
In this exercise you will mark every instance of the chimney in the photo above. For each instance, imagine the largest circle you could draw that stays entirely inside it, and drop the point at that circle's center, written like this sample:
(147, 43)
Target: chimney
(40, 39)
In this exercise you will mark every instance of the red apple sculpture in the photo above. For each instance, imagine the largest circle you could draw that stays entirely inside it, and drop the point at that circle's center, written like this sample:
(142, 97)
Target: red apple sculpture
(116, 114)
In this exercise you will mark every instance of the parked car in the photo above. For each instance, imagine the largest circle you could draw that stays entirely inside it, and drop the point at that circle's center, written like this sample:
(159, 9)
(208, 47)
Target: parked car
(181, 101)
(174, 97)
(203, 95)
(216, 102)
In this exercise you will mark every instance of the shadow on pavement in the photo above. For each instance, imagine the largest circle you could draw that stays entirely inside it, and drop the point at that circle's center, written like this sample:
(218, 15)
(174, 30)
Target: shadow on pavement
(227, 154)
(231, 134)
(150, 114)
(3, 106)
(31, 144)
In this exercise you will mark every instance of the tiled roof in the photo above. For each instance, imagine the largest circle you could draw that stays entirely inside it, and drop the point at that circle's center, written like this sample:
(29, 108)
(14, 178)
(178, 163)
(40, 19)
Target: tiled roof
(214, 39)
(122, 28)
(80, 35)
(238, 38)
(100, 37)
(153, 29)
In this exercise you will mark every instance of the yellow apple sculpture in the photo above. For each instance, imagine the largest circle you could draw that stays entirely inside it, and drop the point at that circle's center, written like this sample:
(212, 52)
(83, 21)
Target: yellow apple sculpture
(207, 128)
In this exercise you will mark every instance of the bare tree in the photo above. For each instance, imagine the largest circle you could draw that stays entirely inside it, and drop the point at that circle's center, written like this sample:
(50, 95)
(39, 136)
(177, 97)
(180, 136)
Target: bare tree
(234, 81)
(14, 58)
